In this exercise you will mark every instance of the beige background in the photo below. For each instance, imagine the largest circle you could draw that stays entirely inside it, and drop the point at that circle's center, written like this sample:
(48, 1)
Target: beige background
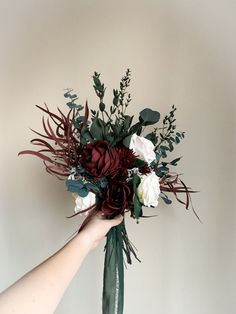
(180, 52)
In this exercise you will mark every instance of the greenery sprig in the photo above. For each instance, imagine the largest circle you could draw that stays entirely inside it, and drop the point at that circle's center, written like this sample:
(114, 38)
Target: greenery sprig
(114, 125)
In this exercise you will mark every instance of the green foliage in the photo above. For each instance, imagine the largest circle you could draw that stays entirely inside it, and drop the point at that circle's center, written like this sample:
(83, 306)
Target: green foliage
(97, 129)
(72, 100)
(98, 86)
(152, 137)
(115, 98)
(83, 188)
(165, 198)
(168, 135)
(148, 117)
(85, 135)
(138, 163)
(136, 128)
(126, 141)
(161, 171)
(112, 124)
(175, 161)
(113, 277)
(78, 119)
(77, 186)
(102, 106)
(137, 209)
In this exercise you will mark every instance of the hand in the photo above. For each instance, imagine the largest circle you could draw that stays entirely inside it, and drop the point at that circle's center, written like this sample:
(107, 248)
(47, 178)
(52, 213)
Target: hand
(97, 228)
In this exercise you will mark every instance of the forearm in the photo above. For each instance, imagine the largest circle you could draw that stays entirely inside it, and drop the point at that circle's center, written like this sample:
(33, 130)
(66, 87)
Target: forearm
(40, 290)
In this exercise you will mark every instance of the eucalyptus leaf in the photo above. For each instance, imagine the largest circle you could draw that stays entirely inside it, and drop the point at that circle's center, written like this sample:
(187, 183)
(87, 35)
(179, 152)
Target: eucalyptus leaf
(137, 204)
(137, 207)
(102, 106)
(136, 128)
(74, 186)
(83, 192)
(92, 187)
(67, 94)
(177, 140)
(96, 129)
(161, 171)
(166, 199)
(138, 163)
(148, 116)
(126, 141)
(152, 137)
(87, 136)
(96, 80)
(115, 100)
(158, 156)
(79, 107)
(71, 105)
(79, 119)
(174, 161)
(127, 122)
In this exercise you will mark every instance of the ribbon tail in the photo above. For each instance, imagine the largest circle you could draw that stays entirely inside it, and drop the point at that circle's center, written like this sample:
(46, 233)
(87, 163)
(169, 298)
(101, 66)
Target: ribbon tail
(113, 277)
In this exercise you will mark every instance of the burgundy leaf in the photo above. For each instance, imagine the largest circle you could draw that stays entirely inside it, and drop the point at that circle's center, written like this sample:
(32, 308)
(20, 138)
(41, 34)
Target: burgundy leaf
(31, 152)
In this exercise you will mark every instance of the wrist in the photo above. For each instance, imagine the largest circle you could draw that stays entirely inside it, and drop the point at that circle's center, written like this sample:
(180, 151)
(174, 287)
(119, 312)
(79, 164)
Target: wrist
(84, 242)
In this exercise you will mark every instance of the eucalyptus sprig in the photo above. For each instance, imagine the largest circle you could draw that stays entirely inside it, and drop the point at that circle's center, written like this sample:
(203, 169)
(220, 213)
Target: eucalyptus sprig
(78, 119)
(114, 124)
(168, 135)
(124, 84)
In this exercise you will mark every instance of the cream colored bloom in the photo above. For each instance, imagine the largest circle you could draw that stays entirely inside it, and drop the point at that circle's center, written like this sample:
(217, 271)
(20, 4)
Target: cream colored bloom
(143, 148)
(148, 190)
(83, 203)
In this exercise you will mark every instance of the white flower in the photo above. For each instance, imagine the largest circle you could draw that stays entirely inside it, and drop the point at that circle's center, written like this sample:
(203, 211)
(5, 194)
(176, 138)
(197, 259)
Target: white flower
(143, 148)
(149, 189)
(84, 202)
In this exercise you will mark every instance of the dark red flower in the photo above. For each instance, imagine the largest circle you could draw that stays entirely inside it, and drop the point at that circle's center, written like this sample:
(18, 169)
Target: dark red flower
(145, 169)
(100, 159)
(116, 199)
(127, 157)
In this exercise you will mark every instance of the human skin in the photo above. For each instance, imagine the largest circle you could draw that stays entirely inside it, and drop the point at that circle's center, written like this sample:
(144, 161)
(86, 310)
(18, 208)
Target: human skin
(40, 290)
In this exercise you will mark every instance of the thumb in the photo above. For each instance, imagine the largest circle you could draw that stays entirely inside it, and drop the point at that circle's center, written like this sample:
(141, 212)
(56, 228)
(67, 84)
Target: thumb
(117, 220)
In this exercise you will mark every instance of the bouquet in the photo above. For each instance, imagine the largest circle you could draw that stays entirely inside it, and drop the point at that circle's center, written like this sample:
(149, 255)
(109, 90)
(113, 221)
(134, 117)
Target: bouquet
(112, 167)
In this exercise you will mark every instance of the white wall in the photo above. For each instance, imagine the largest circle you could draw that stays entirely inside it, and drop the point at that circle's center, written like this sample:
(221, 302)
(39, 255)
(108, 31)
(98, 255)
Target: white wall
(180, 52)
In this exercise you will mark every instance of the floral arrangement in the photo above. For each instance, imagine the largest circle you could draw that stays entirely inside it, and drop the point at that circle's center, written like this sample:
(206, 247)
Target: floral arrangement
(111, 167)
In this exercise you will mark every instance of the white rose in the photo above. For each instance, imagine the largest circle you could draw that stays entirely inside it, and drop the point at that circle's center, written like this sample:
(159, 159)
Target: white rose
(143, 148)
(149, 189)
(84, 202)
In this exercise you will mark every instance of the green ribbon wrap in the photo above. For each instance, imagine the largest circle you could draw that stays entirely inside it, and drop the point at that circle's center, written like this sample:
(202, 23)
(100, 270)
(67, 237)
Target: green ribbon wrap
(113, 278)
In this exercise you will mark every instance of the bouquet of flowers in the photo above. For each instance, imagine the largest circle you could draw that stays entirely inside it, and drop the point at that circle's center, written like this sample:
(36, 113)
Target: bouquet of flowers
(112, 168)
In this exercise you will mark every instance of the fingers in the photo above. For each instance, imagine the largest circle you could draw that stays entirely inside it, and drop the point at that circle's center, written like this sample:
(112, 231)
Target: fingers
(115, 221)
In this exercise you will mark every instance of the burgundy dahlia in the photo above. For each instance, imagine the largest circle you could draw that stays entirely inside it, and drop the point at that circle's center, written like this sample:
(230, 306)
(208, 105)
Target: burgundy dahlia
(100, 159)
(127, 157)
(116, 199)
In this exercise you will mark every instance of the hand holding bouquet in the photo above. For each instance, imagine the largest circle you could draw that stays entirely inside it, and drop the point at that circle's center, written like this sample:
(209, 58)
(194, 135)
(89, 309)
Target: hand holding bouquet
(113, 168)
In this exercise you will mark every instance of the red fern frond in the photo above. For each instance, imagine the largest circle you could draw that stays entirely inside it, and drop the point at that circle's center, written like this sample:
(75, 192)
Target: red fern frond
(175, 185)
(60, 147)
